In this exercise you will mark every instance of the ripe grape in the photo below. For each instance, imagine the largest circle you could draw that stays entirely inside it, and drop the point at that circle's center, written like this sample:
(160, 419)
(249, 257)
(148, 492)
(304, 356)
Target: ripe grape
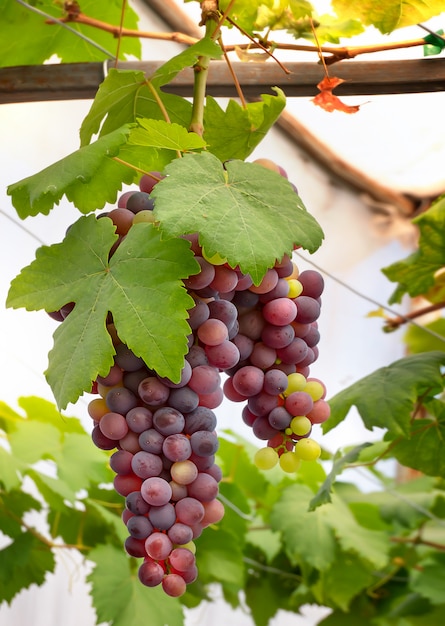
(151, 573)
(158, 546)
(173, 585)
(168, 421)
(113, 425)
(139, 527)
(156, 491)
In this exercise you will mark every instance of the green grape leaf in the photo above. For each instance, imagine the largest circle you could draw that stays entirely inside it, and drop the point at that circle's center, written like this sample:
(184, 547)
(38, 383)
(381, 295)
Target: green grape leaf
(267, 591)
(425, 450)
(44, 434)
(388, 16)
(284, 15)
(93, 468)
(244, 127)
(415, 274)
(35, 441)
(429, 578)
(39, 40)
(345, 579)
(13, 505)
(386, 398)
(9, 470)
(332, 29)
(23, 563)
(246, 213)
(219, 557)
(120, 599)
(122, 98)
(407, 505)
(307, 537)
(126, 95)
(55, 492)
(88, 177)
(313, 537)
(90, 523)
(340, 462)
(104, 515)
(419, 340)
(235, 462)
(140, 285)
(160, 134)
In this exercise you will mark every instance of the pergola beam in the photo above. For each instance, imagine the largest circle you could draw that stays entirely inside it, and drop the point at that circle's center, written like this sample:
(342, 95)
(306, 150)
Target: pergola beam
(71, 81)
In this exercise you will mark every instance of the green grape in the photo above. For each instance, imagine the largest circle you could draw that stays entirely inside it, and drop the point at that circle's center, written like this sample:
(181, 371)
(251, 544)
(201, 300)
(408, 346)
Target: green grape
(295, 287)
(144, 216)
(265, 458)
(300, 425)
(215, 259)
(307, 449)
(314, 389)
(295, 382)
(289, 462)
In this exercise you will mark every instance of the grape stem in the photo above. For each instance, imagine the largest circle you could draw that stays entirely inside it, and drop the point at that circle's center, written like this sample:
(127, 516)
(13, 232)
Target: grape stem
(209, 13)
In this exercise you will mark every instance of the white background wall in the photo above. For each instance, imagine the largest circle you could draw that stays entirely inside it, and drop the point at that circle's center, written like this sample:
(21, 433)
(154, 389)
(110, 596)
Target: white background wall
(397, 139)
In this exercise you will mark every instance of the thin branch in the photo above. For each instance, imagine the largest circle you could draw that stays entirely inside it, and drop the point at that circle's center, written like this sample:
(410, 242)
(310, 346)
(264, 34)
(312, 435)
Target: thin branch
(119, 38)
(271, 570)
(80, 18)
(394, 322)
(256, 44)
(236, 82)
(419, 541)
(336, 53)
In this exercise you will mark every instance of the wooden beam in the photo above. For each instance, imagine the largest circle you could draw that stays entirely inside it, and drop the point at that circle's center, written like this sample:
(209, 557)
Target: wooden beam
(72, 81)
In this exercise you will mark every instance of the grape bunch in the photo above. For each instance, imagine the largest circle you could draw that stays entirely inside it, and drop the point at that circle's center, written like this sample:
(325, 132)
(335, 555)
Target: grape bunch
(262, 339)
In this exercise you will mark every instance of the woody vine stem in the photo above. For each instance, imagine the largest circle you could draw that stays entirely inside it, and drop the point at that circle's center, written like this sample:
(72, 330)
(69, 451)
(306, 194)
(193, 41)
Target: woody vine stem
(210, 18)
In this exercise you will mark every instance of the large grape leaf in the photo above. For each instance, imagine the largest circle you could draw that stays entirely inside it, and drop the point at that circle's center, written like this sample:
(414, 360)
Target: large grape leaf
(120, 599)
(88, 177)
(415, 274)
(425, 450)
(386, 398)
(126, 95)
(313, 537)
(38, 40)
(244, 127)
(344, 580)
(140, 285)
(388, 15)
(246, 213)
(23, 563)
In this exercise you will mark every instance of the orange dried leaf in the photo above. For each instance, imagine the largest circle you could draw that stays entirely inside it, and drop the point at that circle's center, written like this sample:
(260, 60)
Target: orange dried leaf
(328, 101)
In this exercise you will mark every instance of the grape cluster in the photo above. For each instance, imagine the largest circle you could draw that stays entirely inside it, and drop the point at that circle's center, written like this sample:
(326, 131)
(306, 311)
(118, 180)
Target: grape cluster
(264, 339)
